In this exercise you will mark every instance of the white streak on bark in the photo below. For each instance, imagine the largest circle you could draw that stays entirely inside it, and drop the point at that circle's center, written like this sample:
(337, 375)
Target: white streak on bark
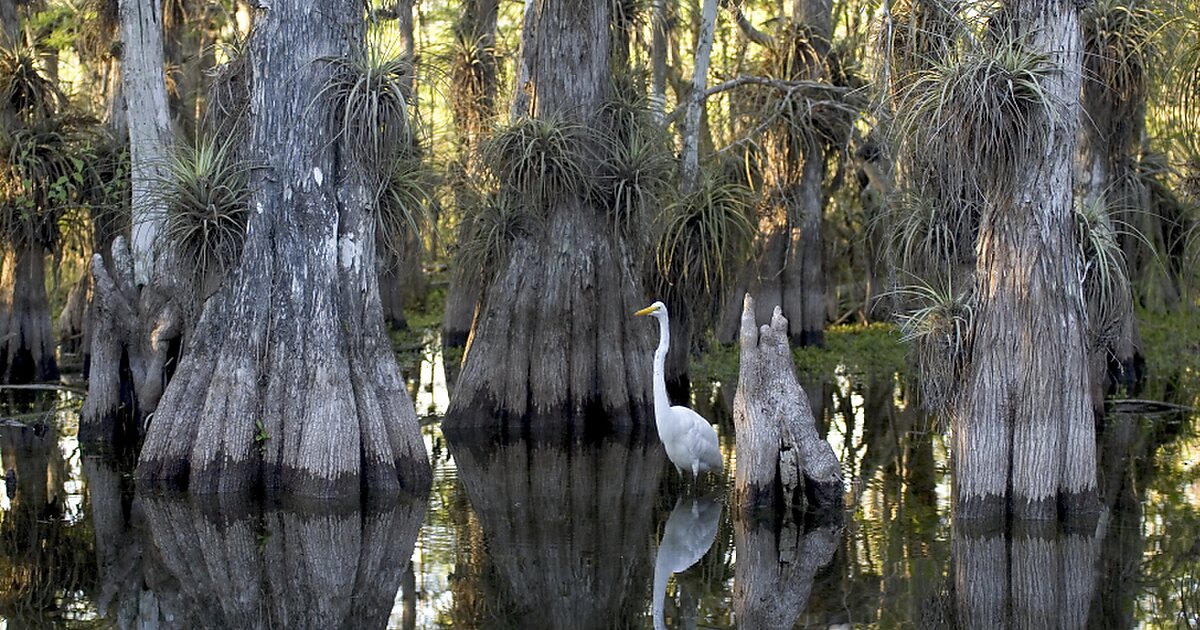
(149, 125)
(690, 163)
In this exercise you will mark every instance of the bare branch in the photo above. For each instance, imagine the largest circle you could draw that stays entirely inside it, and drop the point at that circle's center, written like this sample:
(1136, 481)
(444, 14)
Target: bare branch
(751, 33)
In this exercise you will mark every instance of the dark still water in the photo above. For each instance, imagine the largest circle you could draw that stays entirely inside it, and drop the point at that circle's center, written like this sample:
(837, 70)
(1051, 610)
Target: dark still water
(600, 534)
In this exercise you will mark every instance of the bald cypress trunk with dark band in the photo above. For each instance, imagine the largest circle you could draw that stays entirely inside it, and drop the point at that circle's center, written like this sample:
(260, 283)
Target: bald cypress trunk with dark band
(288, 382)
(1024, 421)
(555, 336)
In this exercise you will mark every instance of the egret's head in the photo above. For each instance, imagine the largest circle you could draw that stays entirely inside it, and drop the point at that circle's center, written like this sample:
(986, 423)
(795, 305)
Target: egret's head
(657, 309)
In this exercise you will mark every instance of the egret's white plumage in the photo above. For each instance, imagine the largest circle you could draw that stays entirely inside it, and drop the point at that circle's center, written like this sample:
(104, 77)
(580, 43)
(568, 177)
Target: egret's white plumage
(690, 440)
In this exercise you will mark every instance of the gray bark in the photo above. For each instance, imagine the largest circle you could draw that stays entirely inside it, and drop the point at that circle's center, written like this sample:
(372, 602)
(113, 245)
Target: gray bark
(689, 159)
(26, 341)
(1111, 128)
(658, 58)
(554, 335)
(568, 526)
(132, 332)
(401, 277)
(791, 247)
(134, 315)
(288, 383)
(1024, 418)
(71, 327)
(477, 25)
(781, 459)
(10, 24)
(148, 118)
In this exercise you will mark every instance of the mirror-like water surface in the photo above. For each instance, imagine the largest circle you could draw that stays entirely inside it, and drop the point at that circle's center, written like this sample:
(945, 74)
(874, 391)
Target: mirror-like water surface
(600, 534)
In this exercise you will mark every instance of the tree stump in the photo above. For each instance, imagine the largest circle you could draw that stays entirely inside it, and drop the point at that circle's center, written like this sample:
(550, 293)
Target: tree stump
(781, 459)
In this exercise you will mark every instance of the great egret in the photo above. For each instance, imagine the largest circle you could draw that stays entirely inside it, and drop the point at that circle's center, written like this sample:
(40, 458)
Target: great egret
(690, 440)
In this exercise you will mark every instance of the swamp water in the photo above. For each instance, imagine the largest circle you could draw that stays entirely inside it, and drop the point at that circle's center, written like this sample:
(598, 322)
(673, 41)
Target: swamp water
(601, 534)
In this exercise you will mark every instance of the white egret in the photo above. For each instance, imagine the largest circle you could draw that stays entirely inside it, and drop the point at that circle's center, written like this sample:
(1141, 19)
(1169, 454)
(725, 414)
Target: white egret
(690, 440)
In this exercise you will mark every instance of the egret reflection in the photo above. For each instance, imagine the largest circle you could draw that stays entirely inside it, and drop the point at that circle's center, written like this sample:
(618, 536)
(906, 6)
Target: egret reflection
(688, 535)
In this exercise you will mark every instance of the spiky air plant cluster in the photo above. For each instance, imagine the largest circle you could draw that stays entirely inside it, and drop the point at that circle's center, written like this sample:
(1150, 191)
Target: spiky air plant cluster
(228, 102)
(637, 169)
(44, 152)
(702, 235)
(972, 120)
(796, 119)
(916, 34)
(474, 74)
(969, 109)
(537, 160)
(1118, 44)
(493, 223)
(205, 196)
(1105, 282)
(938, 325)
(369, 93)
(25, 91)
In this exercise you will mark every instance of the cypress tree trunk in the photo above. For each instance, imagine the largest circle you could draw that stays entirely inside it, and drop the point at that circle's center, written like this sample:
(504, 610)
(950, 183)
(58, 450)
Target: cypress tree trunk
(10, 24)
(26, 341)
(554, 335)
(1024, 419)
(474, 106)
(782, 461)
(135, 321)
(790, 263)
(288, 382)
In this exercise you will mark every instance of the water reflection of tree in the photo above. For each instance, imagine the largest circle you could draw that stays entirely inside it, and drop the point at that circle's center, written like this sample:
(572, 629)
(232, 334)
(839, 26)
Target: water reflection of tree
(568, 526)
(45, 559)
(209, 562)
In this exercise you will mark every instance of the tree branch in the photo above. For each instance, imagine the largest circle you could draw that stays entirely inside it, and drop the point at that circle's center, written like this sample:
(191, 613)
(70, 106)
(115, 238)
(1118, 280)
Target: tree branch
(751, 33)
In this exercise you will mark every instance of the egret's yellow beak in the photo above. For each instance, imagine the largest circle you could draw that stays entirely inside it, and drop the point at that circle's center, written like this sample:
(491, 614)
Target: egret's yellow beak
(645, 311)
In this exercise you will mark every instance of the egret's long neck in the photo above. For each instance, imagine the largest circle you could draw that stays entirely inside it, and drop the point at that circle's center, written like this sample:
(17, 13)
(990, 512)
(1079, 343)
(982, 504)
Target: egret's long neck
(662, 404)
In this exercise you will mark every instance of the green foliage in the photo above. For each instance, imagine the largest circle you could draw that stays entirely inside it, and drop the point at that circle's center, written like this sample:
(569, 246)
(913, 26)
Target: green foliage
(703, 234)
(369, 94)
(853, 349)
(43, 167)
(205, 197)
(637, 171)
(926, 236)
(474, 74)
(1118, 44)
(261, 436)
(536, 160)
(228, 93)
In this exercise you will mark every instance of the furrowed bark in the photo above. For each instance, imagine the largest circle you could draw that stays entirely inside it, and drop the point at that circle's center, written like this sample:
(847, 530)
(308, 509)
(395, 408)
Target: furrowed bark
(554, 336)
(135, 319)
(1025, 416)
(289, 384)
(781, 459)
